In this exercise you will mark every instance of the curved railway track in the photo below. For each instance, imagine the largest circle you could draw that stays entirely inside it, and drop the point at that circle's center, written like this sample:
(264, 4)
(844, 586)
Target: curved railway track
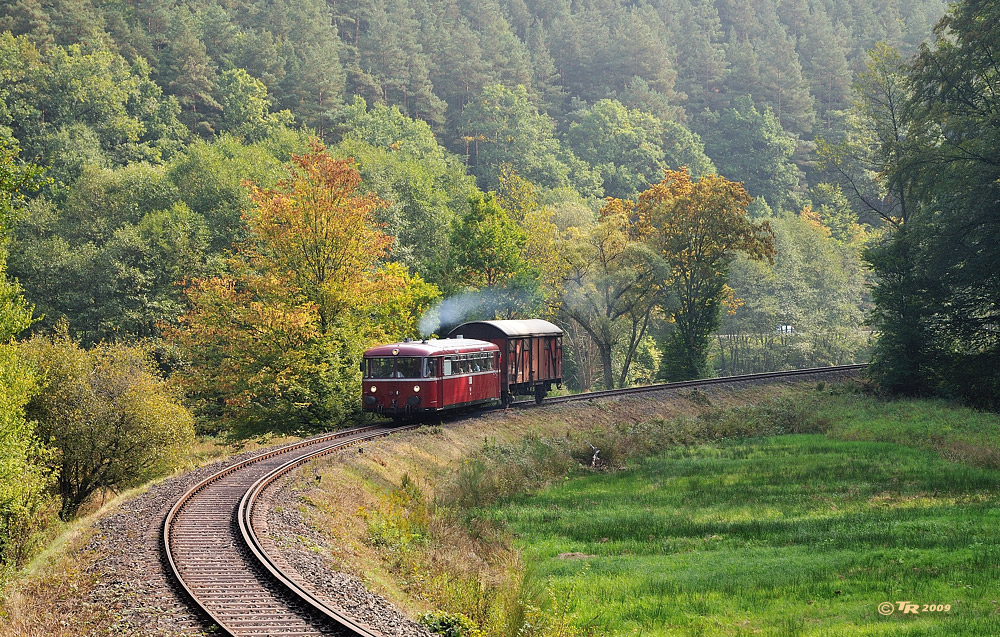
(220, 562)
(213, 545)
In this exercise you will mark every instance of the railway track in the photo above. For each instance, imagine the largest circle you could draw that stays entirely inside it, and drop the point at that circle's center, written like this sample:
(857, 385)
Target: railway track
(221, 564)
(705, 382)
(213, 545)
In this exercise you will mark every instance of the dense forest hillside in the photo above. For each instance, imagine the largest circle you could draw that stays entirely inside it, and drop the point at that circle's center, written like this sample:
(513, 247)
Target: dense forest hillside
(220, 205)
(679, 60)
(134, 107)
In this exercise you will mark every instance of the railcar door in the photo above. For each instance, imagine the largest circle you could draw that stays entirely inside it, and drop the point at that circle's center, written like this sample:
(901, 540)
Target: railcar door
(452, 384)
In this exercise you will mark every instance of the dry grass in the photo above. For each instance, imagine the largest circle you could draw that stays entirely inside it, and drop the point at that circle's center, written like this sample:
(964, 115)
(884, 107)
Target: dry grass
(53, 605)
(50, 596)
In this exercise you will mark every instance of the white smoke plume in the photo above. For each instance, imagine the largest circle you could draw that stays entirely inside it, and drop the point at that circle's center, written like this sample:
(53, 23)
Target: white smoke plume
(500, 302)
(450, 311)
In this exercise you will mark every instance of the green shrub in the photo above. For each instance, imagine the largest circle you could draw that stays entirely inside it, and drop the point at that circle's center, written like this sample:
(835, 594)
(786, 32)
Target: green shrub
(26, 507)
(449, 624)
(111, 418)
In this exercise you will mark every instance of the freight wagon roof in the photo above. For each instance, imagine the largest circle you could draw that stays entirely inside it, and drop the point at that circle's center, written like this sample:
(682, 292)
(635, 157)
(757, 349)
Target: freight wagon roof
(432, 347)
(500, 329)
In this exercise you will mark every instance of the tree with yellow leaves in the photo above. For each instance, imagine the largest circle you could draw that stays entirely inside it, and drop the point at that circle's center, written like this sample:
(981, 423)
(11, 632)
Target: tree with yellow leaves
(316, 230)
(612, 286)
(698, 227)
(274, 345)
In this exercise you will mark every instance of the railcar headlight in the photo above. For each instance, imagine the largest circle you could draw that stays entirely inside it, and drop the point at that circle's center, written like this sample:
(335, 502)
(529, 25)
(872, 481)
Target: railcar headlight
(416, 388)
(373, 389)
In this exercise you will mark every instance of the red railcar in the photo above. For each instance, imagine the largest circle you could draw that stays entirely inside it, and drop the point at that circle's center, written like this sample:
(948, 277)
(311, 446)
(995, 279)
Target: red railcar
(405, 379)
(530, 354)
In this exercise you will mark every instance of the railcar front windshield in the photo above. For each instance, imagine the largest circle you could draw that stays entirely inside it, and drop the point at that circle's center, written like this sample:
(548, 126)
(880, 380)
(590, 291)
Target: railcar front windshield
(408, 367)
(396, 367)
(379, 368)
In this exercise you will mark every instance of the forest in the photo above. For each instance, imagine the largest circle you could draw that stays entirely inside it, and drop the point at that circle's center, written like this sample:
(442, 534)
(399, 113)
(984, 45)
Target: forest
(210, 209)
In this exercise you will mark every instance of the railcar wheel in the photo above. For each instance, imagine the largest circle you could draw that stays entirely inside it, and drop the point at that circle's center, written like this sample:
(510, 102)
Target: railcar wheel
(540, 392)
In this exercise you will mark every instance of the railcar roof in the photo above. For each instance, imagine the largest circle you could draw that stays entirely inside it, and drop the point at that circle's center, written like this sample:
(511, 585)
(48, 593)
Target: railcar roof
(432, 347)
(528, 327)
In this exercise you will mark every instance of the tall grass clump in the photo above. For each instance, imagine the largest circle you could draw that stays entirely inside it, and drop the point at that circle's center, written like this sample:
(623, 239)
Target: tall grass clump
(500, 470)
(473, 580)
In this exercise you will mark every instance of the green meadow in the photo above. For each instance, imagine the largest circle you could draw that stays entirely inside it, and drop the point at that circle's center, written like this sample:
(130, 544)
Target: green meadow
(784, 535)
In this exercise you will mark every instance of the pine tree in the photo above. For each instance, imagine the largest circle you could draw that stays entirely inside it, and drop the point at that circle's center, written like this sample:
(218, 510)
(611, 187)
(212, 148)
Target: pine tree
(823, 54)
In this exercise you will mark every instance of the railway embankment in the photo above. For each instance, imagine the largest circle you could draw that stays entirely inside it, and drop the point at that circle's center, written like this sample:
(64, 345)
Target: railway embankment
(108, 575)
(876, 498)
(405, 514)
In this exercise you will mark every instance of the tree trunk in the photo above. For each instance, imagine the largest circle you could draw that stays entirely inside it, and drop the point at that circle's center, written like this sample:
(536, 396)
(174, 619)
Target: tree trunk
(609, 375)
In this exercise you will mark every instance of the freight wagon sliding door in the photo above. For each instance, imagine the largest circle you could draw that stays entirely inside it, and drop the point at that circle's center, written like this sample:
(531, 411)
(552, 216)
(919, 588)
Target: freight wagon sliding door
(519, 359)
(530, 360)
(549, 358)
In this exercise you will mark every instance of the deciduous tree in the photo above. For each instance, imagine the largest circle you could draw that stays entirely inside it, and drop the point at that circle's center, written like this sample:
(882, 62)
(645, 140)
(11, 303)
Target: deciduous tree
(315, 229)
(613, 285)
(867, 165)
(953, 177)
(698, 227)
(111, 418)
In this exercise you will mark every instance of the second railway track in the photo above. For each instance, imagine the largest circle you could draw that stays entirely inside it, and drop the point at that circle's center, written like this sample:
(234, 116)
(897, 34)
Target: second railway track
(224, 568)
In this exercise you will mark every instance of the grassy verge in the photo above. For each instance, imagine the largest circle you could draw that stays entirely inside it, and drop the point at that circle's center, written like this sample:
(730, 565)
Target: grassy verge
(738, 529)
(785, 535)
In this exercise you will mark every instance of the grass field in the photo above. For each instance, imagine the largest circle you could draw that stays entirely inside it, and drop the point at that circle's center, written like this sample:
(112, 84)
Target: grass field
(793, 534)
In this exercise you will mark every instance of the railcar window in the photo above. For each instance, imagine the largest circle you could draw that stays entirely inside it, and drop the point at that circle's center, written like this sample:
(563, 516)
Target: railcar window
(408, 367)
(379, 368)
(430, 367)
(447, 366)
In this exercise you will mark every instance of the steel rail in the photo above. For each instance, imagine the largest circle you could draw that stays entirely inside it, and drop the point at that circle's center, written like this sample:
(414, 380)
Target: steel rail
(252, 540)
(228, 601)
(722, 380)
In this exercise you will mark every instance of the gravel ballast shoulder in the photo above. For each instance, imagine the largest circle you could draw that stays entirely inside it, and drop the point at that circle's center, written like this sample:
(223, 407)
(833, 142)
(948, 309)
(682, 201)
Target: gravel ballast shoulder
(132, 577)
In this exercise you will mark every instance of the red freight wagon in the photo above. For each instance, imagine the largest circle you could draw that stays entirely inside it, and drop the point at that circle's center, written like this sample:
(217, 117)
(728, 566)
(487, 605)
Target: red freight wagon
(530, 354)
(414, 377)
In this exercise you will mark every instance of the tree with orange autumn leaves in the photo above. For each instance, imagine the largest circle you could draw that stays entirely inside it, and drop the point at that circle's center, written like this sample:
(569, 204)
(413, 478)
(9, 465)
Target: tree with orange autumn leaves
(698, 227)
(663, 256)
(274, 345)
